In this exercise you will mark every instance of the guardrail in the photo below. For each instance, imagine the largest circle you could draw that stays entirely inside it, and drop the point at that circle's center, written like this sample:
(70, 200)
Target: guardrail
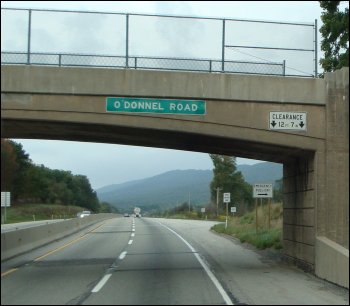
(23, 240)
(142, 62)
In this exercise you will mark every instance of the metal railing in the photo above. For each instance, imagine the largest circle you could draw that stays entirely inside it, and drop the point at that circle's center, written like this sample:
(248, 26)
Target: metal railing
(141, 62)
(130, 25)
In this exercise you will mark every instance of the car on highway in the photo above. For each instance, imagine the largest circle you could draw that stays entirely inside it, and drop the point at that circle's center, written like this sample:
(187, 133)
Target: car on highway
(83, 214)
(126, 215)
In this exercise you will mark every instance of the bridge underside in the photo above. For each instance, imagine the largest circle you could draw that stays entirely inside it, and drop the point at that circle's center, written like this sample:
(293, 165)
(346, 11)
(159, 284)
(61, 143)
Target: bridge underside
(189, 141)
(299, 204)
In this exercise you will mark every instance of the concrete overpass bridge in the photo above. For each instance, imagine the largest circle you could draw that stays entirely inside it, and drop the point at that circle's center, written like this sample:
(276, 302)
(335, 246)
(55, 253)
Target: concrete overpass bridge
(242, 115)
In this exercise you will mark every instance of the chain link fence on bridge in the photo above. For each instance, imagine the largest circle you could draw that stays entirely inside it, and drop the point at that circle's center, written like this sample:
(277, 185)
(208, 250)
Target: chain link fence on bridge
(136, 41)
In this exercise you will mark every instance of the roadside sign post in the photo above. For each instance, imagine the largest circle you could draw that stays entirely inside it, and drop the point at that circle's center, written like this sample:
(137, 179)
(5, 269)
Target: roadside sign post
(5, 201)
(203, 211)
(269, 212)
(261, 190)
(256, 215)
(233, 210)
(227, 199)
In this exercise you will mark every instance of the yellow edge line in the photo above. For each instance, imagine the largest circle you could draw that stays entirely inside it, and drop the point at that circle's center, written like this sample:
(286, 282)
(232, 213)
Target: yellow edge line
(8, 272)
(53, 251)
(66, 245)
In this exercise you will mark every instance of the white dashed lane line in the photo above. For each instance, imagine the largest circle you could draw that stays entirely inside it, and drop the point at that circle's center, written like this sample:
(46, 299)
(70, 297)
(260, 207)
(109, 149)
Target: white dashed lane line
(122, 255)
(101, 283)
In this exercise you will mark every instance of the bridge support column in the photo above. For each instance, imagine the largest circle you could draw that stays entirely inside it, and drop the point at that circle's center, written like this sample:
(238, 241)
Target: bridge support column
(332, 241)
(299, 211)
(337, 158)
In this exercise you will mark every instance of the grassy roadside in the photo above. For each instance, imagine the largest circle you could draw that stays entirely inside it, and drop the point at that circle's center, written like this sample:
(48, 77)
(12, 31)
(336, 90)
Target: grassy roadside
(244, 228)
(36, 212)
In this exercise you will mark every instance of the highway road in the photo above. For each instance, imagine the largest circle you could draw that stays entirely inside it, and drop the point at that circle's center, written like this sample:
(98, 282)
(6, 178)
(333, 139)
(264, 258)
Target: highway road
(128, 261)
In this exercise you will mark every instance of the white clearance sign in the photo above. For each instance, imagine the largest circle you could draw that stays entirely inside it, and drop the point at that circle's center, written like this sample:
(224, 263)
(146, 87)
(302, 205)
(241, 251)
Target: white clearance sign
(262, 190)
(295, 121)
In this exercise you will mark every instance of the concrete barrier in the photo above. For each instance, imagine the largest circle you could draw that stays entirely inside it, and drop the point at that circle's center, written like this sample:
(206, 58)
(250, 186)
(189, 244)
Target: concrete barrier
(23, 240)
(332, 262)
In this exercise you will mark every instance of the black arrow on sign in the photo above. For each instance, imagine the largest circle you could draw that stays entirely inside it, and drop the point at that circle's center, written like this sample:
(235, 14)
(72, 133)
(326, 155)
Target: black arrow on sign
(262, 194)
(273, 123)
(301, 124)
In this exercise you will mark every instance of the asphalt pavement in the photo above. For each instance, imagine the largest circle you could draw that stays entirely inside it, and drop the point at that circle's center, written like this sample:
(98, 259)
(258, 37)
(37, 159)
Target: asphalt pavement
(128, 261)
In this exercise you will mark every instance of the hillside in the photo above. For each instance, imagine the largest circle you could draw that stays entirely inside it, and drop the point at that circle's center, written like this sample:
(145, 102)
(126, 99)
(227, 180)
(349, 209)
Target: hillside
(160, 192)
(261, 172)
(172, 188)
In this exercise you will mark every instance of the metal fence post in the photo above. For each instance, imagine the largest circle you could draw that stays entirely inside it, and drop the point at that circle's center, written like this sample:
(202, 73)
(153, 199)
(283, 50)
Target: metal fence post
(29, 35)
(316, 61)
(223, 47)
(24, 57)
(127, 42)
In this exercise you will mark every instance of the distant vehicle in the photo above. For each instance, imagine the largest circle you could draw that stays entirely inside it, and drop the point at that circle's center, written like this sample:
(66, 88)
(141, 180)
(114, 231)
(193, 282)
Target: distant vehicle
(126, 215)
(83, 214)
(137, 212)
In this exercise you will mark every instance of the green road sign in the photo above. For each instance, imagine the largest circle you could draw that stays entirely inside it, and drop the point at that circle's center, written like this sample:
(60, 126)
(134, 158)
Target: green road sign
(159, 106)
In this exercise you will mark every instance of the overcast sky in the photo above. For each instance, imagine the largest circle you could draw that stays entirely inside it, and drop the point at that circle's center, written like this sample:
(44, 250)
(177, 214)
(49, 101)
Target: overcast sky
(106, 164)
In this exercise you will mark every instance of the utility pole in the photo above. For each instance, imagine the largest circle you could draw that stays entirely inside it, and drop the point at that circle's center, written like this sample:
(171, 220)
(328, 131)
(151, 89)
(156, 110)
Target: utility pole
(189, 201)
(217, 200)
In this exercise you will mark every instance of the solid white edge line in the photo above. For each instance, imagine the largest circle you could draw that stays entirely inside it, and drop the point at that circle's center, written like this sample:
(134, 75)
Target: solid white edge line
(101, 283)
(206, 268)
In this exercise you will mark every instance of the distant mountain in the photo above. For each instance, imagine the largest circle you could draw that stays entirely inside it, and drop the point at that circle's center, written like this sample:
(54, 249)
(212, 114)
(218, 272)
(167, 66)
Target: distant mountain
(262, 172)
(172, 188)
(161, 191)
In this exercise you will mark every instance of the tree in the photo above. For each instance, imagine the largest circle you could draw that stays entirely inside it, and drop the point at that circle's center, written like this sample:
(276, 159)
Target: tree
(335, 36)
(38, 184)
(14, 164)
(106, 207)
(230, 180)
(9, 165)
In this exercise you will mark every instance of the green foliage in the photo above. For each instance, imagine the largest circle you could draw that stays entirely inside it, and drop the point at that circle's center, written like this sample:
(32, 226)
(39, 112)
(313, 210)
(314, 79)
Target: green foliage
(247, 219)
(335, 36)
(30, 183)
(278, 191)
(29, 212)
(108, 208)
(244, 228)
(14, 164)
(230, 180)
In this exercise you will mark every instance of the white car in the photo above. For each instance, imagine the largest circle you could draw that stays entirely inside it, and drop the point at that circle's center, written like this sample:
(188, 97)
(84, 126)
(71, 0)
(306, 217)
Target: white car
(84, 213)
